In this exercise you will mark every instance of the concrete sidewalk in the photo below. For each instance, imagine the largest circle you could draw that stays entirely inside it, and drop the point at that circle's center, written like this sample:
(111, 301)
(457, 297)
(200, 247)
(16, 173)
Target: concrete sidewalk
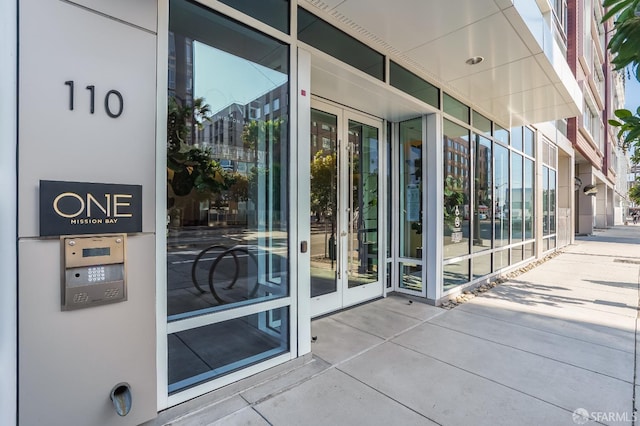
(546, 348)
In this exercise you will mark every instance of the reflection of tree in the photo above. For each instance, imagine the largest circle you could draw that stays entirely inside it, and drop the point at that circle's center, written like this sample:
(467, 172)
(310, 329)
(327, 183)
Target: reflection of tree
(481, 199)
(634, 192)
(238, 187)
(323, 184)
(417, 225)
(193, 176)
(264, 136)
(454, 196)
(181, 118)
(190, 167)
(261, 178)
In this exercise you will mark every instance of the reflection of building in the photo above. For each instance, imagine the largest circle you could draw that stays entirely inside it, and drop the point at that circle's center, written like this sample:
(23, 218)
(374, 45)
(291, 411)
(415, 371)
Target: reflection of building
(222, 132)
(457, 158)
(483, 163)
(180, 70)
(236, 137)
(323, 136)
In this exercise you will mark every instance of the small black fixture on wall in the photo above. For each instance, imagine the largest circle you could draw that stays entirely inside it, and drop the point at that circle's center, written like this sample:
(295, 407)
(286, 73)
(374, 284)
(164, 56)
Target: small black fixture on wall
(591, 190)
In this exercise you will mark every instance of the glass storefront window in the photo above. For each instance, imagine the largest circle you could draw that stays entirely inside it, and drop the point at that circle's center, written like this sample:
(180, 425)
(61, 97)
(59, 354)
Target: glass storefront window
(271, 12)
(501, 134)
(501, 195)
(518, 210)
(362, 258)
(500, 259)
(456, 191)
(516, 138)
(411, 178)
(481, 123)
(390, 215)
(481, 265)
(529, 250)
(323, 202)
(545, 200)
(202, 353)
(413, 85)
(483, 195)
(411, 276)
(528, 142)
(516, 254)
(327, 38)
(227, 191)
(455, 108)
(552, 202)
(548, 201)
(455, 273)
(529, 211)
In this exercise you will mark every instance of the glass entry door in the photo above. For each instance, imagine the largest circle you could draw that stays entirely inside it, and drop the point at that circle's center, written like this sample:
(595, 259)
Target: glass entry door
(344, 208)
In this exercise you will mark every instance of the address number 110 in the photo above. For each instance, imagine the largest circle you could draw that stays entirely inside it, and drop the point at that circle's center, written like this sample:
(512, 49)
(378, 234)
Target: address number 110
(113, 101)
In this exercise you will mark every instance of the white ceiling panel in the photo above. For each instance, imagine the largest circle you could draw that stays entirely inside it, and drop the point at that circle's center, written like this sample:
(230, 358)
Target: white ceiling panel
(514, 77)
(528, 105)
(541, 115)
(519, 81)
(492, 38)
(503, 4)
(340, 83)
(414, 22)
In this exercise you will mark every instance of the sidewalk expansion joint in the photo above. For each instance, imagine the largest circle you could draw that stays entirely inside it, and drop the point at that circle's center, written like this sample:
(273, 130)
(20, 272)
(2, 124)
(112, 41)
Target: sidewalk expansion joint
(569, 410)
(547, 331)
(533, 353)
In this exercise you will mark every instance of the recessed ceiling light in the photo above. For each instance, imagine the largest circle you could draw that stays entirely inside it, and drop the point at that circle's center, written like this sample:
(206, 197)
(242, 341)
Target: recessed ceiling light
(475, 60)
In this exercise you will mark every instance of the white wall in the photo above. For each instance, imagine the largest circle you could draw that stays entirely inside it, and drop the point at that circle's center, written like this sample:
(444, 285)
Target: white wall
(585, 204)
(69, 361)
(602, 199)
(8, 215)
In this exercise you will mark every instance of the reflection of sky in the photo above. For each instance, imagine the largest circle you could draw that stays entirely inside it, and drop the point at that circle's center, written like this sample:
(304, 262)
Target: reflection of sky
(223, 79)
(632, 94)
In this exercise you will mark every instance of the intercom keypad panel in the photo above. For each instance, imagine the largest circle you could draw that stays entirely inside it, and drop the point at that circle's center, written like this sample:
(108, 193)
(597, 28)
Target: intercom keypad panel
(92, 275)
(94, 271)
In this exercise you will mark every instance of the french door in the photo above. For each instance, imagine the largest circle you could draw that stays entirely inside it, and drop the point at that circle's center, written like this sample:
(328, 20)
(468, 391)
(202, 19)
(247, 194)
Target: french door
(345, 212)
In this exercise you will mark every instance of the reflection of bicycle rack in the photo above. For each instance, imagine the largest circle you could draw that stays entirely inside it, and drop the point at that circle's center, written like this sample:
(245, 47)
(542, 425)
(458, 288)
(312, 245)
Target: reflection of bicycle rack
(226, 251)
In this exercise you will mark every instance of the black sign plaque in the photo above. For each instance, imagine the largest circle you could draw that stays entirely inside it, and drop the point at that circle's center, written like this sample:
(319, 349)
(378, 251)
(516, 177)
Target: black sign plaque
(71, 208)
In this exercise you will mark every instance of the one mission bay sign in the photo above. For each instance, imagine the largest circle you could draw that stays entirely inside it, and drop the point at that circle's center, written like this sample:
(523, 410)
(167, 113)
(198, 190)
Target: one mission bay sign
(70, 208)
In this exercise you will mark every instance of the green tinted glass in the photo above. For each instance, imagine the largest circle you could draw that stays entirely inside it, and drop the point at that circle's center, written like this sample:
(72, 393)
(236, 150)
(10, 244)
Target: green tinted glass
(321, 35)
(413, 85)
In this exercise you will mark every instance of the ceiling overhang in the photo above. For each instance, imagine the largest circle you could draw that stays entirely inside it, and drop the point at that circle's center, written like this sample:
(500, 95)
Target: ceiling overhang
(523, 79)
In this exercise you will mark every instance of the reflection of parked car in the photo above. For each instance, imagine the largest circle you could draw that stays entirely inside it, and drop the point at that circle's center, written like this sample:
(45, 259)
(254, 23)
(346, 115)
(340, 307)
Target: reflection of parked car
(517, 211)
(517, 215)
(483, 212)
